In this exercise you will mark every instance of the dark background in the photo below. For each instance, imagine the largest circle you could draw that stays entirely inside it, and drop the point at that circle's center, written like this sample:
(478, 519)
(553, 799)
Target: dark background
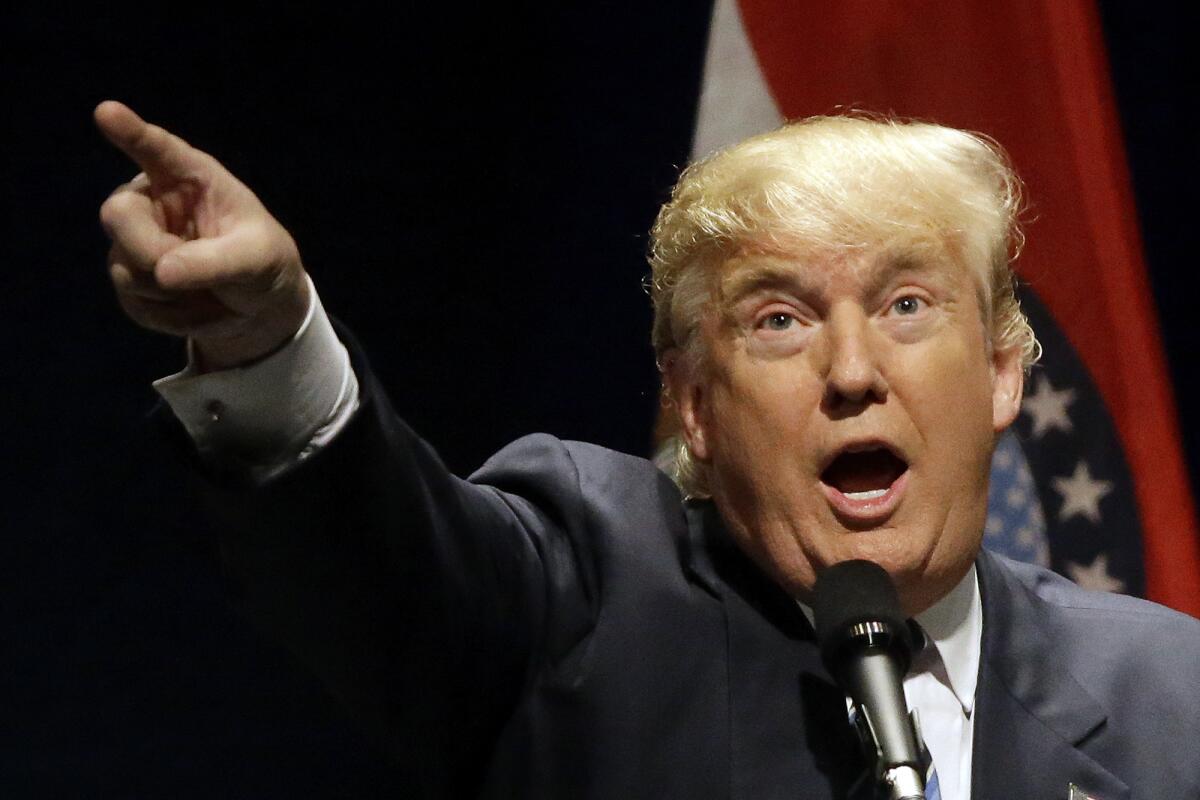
(470, 189)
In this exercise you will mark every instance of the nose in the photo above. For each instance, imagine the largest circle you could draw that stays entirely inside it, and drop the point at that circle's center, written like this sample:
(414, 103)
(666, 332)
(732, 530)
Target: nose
(854, 377)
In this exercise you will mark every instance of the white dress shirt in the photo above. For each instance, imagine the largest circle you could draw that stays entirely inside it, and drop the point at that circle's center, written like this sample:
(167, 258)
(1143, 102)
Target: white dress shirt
(941, 683)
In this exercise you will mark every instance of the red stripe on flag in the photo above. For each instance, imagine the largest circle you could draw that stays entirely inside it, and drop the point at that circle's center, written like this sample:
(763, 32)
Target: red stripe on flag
(1032, 74)
(1139, 396)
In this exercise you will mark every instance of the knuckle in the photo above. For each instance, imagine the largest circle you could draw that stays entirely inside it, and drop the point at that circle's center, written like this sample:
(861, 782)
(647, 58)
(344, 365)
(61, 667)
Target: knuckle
(120, 276)
(206, 160)
(136, 268)
(257, 232)
(117, 207)
(107, 215)
(274, 248)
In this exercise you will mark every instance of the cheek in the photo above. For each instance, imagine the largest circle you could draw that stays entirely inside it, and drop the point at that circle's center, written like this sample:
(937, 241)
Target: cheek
(954, 386)
(760, 412)
(761, 451)
(952, 410)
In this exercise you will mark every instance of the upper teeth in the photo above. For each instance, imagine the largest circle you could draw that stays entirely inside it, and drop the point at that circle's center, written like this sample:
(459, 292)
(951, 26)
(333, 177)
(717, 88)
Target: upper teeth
(867, 495)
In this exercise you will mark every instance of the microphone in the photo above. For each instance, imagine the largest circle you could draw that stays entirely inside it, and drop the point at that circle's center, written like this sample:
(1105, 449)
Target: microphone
(867, 646)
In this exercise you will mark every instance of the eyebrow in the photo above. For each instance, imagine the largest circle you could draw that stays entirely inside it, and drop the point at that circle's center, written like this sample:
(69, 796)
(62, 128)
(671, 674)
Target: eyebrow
(900, 262)
(767, 274)
(758, 277)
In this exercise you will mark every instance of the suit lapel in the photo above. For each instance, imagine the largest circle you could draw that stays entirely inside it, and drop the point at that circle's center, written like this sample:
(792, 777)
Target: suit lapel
(788, 730)
(1032, 718)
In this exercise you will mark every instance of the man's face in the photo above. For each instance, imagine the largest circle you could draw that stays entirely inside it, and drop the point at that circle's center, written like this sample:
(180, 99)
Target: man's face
(847, 408)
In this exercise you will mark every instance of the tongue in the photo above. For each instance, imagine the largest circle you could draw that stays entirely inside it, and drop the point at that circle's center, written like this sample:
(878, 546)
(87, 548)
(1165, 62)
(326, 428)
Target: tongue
(853, 473)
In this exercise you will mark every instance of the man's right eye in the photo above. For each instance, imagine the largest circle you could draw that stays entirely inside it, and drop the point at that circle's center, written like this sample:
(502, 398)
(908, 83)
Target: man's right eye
(778, 321)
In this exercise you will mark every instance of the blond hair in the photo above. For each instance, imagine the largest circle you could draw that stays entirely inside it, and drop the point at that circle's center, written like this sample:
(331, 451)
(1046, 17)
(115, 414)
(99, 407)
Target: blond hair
(836, 183)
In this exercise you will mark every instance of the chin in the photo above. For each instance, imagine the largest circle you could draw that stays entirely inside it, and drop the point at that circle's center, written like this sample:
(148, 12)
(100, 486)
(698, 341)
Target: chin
(912, 561)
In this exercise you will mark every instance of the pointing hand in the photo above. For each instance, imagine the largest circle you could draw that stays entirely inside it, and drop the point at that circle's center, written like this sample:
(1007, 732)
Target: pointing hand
(194, 253)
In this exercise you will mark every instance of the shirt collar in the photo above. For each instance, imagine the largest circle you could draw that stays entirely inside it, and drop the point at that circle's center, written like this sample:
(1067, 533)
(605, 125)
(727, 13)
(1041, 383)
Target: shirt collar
(953, 625)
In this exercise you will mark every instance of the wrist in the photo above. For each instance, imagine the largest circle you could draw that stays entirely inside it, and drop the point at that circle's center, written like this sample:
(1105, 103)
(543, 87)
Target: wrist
(261, 336)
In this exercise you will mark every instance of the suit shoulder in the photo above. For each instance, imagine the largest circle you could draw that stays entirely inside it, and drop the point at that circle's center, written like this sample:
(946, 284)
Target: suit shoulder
(1108, 620)
(542, 467)
(1053, 588)
(542, 456)
(600, 464)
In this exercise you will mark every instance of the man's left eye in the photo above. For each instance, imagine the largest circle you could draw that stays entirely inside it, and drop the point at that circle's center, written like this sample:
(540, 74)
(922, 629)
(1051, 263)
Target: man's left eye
(907, 305)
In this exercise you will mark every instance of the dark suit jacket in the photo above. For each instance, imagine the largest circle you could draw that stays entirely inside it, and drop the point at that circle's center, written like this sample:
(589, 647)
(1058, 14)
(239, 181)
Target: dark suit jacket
(563, 625)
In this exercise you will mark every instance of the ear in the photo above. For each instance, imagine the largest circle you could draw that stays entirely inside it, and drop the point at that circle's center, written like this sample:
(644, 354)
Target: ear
(682, 377)
(1008, 386)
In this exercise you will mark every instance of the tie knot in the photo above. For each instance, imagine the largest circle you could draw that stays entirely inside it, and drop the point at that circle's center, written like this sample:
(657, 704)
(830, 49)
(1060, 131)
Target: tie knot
(925, 656)
(919, 639)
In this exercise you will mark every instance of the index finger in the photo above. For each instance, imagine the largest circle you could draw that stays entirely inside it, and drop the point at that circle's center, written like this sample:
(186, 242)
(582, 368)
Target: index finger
(163, 156)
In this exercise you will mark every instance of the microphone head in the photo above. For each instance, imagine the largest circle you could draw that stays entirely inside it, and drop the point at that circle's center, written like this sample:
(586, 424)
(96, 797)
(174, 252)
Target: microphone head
(846, 597)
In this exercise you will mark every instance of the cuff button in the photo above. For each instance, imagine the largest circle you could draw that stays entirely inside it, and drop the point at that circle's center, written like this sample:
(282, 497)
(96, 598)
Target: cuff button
(214, 409)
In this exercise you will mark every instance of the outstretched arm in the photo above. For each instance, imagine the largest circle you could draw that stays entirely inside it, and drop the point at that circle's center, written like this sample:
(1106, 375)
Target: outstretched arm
(421, 599)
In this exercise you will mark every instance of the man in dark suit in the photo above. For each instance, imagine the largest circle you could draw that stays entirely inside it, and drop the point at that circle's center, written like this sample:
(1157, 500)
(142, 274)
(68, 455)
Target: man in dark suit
(838, 335)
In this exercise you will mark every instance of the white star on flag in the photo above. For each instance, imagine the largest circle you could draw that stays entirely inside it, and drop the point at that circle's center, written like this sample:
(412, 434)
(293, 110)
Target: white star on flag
(1095, 576)
(1081, 494)
(1047, 407)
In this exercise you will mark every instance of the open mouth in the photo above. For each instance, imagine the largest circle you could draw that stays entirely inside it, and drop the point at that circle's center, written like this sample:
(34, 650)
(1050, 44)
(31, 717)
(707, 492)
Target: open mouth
(865, 474)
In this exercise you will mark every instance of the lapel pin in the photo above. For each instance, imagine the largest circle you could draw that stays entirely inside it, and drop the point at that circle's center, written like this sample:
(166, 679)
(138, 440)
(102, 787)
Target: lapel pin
(1079, 794)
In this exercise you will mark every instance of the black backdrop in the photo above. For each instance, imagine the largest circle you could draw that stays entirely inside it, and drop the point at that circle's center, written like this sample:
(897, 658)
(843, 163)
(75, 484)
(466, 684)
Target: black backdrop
(470, 189)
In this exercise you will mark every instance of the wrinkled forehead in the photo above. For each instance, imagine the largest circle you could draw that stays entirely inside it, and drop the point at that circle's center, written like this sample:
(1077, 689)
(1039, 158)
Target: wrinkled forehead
(813, 270)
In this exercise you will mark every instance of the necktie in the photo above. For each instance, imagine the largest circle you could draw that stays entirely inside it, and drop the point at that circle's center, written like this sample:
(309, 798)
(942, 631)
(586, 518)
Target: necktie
(932, 790)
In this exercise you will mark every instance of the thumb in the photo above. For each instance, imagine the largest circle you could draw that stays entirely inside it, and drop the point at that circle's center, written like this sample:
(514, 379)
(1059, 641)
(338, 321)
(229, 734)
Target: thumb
(245, 255)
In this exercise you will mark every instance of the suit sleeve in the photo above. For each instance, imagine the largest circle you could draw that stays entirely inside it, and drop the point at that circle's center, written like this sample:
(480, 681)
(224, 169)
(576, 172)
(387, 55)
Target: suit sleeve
(422, 600)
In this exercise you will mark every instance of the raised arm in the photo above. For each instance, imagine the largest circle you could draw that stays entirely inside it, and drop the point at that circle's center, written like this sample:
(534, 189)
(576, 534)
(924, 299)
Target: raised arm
(419, 598)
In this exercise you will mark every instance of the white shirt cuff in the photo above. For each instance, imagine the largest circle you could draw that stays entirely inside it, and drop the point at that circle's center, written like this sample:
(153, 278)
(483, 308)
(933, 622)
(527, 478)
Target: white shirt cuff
(267, 416)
